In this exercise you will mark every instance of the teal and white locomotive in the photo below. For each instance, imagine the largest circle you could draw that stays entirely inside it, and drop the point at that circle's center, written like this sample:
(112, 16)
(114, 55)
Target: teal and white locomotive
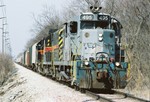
(86, 52)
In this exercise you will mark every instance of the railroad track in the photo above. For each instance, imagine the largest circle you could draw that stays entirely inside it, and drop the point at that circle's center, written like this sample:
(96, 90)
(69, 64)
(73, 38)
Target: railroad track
(114, 96)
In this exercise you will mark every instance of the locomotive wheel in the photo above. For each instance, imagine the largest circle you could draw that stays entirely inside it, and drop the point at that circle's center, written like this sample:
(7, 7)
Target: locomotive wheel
(82, 90)
(108, 83)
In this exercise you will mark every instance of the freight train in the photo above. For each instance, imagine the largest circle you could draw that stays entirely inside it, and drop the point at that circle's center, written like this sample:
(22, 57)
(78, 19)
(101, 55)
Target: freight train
(86, 53)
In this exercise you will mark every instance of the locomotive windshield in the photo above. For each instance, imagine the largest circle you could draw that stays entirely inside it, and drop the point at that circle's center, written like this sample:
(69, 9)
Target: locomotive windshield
(94, 24)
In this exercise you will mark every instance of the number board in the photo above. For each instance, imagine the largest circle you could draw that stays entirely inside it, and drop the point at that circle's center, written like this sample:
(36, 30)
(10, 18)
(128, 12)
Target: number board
(87, 17)
(103, 17)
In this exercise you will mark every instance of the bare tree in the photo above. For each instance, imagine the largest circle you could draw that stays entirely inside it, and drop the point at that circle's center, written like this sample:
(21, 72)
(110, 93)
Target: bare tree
(135, 17)
(49, 19)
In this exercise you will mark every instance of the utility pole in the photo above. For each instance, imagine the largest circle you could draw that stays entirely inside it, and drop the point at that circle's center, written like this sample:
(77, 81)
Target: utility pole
(6, 41)
(6, 45)
(2, 31)
(3, 37)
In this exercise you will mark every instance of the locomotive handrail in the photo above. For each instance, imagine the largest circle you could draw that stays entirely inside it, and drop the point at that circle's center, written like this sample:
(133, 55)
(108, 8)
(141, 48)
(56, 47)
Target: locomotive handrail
(102, 53)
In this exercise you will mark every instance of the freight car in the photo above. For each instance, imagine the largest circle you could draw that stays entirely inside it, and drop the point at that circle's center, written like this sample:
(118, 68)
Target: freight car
(86, 52)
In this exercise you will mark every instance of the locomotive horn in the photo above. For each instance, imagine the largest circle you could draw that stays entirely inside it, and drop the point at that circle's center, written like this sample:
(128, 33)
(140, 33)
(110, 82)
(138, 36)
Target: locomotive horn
(95, 9)
(91, 7)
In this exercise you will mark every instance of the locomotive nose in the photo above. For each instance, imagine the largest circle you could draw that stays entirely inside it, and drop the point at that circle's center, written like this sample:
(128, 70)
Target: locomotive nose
(97, 44)
(89, 42)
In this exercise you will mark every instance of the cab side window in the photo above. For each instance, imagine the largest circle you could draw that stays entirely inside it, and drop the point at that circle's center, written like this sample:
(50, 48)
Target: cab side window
(73, 27)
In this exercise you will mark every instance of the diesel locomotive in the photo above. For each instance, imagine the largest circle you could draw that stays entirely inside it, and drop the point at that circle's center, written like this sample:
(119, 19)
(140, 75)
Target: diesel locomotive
(86, 53)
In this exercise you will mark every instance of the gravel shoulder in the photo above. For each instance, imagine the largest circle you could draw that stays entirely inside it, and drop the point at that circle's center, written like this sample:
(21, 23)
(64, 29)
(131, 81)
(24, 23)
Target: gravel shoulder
(27, 86)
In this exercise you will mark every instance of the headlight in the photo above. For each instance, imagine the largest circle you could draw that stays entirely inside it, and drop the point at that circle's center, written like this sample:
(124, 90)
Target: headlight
(86, 63)
(100, 35)
(100, 38)
(117, 64)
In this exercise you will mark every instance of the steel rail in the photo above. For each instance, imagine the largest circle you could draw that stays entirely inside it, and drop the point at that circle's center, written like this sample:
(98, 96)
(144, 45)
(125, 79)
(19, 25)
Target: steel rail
(131, 96)
(98, 97)
(104, 99)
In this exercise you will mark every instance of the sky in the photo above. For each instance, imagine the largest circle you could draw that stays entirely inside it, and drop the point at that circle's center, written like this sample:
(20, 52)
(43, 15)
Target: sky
(20, 19)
